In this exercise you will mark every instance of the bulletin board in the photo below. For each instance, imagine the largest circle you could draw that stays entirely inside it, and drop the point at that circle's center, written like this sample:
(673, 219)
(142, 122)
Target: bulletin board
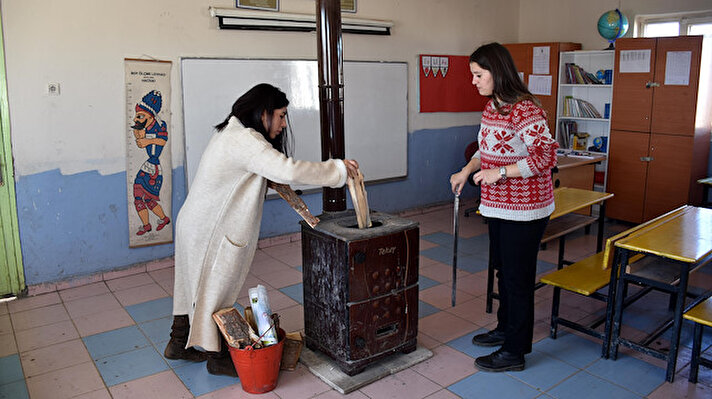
(446, 85)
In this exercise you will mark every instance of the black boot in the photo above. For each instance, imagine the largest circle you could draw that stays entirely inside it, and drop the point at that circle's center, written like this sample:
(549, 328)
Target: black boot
(500, 361)
(179, 338)
(490, 338)
(220, 363)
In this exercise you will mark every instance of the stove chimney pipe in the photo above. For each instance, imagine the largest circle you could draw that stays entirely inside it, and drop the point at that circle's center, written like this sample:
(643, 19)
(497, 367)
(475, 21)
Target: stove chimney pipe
(331, 93)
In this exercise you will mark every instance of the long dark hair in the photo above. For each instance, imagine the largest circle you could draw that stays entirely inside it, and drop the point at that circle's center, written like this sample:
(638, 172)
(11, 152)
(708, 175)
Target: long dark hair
(250, 107)
(508, 86)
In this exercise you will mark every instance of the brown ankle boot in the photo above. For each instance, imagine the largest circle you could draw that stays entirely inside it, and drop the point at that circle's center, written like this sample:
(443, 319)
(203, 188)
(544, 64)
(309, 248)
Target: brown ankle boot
(220, 362)
(179, 338)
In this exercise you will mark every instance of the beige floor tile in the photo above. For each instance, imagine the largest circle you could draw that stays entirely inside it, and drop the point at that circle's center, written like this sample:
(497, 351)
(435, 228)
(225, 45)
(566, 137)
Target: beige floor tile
(292, 319)
(5, 324)
(52, 334)
(3, 308)
(336, 395)
(66, 383)
(93, 304)
(444, 327)
(162, 274)
(131, 281)
(283, 278)
(236, 392)
(446, 367)
(54, 357)
(279, 301)
(7, 344)
(103, 321)
(33, 302)
(427, 342)
(164, 385)
(443, 394)
(84, 291)
(268, 266)
(406, 384)
(100, 394)
(140, 294)
(440, 296)
(38, 317)
(299, 384)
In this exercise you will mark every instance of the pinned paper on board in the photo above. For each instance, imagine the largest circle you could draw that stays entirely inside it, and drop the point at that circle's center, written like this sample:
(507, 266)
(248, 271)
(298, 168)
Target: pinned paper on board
(425, 63)
(634, 61)
(540, 60)
(677, 68)
(540, 84)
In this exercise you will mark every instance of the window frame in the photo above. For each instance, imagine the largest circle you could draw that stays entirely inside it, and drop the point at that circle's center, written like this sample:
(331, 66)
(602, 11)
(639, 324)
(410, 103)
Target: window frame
(685, 19)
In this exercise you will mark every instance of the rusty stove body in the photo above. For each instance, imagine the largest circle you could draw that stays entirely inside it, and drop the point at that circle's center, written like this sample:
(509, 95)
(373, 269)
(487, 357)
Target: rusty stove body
(360, 288)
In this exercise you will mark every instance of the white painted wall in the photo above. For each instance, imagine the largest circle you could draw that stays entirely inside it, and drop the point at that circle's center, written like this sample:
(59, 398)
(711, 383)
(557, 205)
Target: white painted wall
(81, 44)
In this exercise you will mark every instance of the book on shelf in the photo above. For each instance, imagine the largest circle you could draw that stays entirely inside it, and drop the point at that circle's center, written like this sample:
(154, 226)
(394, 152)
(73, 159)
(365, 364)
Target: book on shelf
(567, 130)
(577, 75)
(578, 108)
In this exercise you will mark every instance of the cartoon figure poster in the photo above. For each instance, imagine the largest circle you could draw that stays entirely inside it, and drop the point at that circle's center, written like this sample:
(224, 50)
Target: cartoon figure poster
(148, 156)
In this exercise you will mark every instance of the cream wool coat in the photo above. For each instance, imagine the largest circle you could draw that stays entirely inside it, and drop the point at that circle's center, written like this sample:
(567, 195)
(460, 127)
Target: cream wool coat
(218, 226)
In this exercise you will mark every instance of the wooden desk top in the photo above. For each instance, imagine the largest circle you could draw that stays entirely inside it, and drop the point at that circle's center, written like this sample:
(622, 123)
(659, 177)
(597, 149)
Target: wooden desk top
(569, 200)
(685, 236)
(572, 161)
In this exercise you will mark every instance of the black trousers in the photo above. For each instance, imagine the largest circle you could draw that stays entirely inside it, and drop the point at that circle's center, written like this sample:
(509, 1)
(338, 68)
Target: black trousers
(514, 247)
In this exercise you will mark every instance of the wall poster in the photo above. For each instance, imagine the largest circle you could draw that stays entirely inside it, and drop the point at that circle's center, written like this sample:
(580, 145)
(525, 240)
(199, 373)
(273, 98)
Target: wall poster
(148, 157)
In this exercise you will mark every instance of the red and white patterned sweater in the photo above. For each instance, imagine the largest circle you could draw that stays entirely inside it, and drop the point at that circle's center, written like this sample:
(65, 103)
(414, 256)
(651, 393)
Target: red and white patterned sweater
(521, 136)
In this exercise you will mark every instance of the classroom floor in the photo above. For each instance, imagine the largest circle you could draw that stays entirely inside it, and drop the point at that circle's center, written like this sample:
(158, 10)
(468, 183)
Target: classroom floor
(105, 339)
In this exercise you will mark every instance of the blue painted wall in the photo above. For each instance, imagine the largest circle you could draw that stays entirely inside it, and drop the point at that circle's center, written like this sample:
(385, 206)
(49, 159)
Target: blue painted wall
(77, 225)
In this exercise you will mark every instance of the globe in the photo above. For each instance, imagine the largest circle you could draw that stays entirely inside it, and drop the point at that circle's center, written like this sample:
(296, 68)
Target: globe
(612, 25)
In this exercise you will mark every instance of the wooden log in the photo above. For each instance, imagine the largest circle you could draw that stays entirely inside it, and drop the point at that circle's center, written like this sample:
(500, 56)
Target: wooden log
(234, 328)
(360, 200)
(294, 201)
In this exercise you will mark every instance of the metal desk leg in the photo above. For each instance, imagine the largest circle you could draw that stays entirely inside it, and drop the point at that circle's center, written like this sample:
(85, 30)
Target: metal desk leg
(677, 326)
(610, 301)
(562, 249)
(601, 222)
(619, 271)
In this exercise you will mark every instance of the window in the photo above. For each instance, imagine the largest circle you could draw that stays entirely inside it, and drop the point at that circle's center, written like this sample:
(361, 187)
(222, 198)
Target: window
(678, 24)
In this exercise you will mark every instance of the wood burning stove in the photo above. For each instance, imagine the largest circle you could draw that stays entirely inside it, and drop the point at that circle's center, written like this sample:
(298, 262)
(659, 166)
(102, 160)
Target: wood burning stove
(360, 288)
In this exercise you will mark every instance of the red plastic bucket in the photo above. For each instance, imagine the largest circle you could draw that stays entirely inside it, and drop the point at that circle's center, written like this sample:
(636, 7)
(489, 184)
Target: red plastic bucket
(258, 369)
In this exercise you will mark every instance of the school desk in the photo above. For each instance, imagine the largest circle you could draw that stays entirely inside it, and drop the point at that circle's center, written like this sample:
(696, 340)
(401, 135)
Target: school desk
(684, 243)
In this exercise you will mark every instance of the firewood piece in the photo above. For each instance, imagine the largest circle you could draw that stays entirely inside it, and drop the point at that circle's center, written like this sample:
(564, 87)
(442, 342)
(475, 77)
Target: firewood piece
(358, 197)
(291, 350)
(234, 328)
(294, 201)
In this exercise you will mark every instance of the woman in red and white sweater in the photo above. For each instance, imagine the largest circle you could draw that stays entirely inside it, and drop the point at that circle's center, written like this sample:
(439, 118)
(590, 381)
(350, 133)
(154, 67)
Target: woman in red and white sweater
(513, 167)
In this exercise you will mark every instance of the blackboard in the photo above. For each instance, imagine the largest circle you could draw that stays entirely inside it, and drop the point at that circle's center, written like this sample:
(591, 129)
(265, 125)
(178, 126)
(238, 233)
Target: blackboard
(375, 108)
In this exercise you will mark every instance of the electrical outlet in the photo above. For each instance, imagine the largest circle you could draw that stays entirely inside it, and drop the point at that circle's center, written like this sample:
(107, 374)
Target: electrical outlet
(53, 89)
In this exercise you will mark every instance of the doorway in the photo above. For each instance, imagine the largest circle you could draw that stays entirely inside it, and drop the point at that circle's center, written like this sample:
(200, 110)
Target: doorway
(12, 278)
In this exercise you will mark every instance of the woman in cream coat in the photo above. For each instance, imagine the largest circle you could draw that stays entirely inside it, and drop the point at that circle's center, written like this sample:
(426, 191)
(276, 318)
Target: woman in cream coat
(218, 226)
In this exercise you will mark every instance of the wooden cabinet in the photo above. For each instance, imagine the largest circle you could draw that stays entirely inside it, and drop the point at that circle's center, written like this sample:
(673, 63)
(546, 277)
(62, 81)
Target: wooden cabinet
(660, 127)
(523, 55)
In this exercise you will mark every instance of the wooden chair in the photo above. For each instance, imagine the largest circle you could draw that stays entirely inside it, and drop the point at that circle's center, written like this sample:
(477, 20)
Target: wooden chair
(701, 315)
(589, 276)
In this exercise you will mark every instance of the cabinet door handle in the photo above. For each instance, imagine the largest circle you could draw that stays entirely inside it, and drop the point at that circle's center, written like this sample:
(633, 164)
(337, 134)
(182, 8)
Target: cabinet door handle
(647, 159)
(648, 85)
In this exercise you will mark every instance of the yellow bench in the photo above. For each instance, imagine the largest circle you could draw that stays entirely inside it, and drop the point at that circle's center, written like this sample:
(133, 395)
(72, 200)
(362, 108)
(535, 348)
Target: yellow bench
(701, 315)
(588, 276)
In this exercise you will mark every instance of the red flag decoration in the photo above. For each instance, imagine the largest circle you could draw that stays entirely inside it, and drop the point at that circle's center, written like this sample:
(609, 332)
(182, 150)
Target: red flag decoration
(446, 85)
